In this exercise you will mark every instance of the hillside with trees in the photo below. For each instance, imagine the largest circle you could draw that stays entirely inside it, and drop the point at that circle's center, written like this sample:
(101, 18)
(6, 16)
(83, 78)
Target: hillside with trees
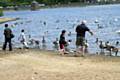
(5, 3)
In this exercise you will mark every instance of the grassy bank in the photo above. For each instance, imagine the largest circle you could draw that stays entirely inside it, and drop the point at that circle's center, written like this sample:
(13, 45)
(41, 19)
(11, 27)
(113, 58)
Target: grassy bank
(1, 12)
(47, 65)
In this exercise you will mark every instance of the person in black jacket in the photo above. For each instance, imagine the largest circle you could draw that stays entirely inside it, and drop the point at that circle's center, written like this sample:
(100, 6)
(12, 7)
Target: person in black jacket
(8, 37)
(62, 42)
(80, 37)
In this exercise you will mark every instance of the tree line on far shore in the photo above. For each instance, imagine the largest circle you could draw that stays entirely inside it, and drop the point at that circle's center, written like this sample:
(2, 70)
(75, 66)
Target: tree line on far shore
(5, 3)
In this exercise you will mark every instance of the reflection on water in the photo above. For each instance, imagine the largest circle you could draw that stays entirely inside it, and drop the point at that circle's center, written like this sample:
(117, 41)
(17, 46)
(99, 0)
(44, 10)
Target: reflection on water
(104, 21)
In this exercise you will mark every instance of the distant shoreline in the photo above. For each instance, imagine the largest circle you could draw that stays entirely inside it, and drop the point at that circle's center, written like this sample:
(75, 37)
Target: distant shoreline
(76, 5)
(62, 6)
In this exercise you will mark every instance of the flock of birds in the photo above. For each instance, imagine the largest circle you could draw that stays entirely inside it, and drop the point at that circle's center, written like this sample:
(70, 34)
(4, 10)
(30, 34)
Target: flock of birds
(101, 45)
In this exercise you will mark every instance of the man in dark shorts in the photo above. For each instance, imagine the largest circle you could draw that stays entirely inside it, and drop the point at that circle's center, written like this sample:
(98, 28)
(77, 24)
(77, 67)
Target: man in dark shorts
(80, 37)
(8, 37)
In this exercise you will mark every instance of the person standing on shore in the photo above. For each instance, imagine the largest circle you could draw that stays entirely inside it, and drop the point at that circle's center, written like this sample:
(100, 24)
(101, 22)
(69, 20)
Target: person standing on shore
(62, 42)
(80, 37)
(8, 37)
(23, 40)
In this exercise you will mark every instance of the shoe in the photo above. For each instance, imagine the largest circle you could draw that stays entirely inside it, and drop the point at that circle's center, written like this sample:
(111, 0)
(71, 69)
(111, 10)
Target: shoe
(66, 53)
(75, 55)
(26, 47)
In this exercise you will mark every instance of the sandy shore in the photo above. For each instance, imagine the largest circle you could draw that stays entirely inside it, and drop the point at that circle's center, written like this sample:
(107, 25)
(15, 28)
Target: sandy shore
(48, 65)
(3, 20)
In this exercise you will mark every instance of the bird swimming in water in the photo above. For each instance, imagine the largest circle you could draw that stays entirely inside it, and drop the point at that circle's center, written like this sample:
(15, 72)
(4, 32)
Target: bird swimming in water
(117, 43)
(96, 21)
(97, 40)
(69, 34)
(44, 23)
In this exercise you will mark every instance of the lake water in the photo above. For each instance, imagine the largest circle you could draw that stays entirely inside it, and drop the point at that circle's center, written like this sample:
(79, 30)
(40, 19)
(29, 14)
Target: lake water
(58, 19)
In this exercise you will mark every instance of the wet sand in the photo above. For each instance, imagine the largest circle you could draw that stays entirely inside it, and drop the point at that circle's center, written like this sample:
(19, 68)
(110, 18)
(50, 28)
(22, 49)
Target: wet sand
(48, 65)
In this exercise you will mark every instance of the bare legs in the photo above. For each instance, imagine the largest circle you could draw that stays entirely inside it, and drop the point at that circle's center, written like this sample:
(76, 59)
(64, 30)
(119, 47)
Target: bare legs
(80, 50)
